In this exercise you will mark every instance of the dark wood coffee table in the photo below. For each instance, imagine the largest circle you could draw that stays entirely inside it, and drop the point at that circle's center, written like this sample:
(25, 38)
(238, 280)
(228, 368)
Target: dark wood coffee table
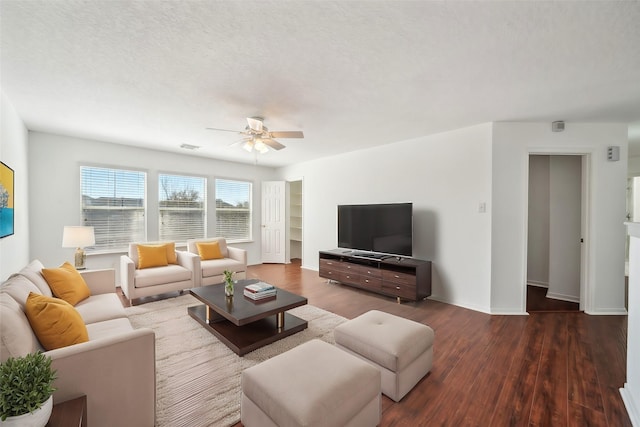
(242, 324)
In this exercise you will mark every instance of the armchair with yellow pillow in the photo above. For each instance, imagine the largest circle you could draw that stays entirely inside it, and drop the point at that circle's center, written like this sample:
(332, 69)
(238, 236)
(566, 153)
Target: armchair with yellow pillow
(156, 267)
(77, 319)
(216, 257)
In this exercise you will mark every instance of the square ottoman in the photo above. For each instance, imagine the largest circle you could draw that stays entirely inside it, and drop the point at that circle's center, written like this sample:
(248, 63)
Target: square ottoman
(314, 384)
(401, 348)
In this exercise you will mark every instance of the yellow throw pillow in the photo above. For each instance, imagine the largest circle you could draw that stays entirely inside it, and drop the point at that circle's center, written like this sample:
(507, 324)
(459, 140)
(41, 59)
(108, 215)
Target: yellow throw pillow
(209, 250)
(55, 322)
(171, 253)
(66, 283)
(152, 256)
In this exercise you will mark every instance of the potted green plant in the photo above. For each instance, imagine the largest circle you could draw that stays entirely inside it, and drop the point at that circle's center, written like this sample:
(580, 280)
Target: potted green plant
(228, 283)
(26, 390)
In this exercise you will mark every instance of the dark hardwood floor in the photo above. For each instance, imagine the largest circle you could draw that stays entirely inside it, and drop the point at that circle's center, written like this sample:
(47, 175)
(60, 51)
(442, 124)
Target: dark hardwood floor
(537, 301)
(546, 369)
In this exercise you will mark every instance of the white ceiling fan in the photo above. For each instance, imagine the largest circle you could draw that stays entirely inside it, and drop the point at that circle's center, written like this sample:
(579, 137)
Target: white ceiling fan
(257, 137)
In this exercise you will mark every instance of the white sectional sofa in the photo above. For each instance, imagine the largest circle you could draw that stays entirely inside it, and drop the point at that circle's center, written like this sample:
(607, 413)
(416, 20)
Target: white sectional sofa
(115, 369)
(211, 270)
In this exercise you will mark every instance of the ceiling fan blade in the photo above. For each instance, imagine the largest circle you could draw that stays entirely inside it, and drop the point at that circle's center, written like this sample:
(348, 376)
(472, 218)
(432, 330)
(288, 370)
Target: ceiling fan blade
(273, 143)
(255, 123)
(287, 134)
(225, 130)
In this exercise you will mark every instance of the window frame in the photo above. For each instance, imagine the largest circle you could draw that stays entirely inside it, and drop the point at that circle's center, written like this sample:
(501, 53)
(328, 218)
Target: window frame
(122, 246)
(204, 205)
(249, 237)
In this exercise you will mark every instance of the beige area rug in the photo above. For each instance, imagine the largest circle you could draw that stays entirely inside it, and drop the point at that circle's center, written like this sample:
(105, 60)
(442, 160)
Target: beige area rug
(197, 376)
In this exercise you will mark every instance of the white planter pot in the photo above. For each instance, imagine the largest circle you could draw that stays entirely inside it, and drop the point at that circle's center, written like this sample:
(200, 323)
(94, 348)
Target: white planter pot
(38, 418)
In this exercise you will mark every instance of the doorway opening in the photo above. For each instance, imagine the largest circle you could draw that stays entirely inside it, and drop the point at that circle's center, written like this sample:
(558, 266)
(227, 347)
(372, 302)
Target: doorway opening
(295, 220)
(556, 224)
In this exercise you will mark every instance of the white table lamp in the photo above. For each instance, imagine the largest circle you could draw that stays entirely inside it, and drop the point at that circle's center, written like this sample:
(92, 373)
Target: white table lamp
(78, 237)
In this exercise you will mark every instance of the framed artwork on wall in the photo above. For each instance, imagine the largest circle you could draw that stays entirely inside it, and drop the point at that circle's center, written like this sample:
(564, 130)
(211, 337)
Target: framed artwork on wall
(6, 201)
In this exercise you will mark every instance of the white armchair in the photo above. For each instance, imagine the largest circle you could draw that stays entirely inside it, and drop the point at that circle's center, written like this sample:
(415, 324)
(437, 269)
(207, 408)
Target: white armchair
(137, 283)
(211, 270)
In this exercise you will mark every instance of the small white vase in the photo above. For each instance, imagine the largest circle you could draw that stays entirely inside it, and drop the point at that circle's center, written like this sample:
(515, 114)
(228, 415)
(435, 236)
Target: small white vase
(37, 418)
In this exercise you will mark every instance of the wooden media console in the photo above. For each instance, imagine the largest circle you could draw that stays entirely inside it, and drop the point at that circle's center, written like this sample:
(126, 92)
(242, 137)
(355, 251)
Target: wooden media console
(398, 277)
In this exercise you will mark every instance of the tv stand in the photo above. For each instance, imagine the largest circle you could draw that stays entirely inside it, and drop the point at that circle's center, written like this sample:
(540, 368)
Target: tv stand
(398, 277)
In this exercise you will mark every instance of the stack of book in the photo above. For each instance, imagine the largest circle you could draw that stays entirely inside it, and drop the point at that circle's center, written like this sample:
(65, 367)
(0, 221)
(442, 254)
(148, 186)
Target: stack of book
(260, 290)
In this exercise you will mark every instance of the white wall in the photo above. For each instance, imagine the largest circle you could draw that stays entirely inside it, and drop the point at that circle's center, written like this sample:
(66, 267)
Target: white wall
(446, 176)
(634, 166)
(14, 250)
(512, 143)
(538, 225)
(54, 165)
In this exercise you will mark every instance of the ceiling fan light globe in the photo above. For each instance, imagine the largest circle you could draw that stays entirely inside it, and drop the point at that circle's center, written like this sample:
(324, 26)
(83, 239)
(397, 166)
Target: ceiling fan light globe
(248, 146)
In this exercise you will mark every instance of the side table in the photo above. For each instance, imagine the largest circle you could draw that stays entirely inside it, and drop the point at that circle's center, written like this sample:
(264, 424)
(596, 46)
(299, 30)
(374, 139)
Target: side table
(69, 413)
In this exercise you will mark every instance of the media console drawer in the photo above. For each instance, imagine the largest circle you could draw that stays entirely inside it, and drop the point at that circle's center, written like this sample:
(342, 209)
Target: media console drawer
(406, 278)
(397, 277)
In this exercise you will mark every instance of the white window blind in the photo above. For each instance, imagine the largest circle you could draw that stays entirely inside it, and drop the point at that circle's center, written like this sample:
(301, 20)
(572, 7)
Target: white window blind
(233, 209)
(113, 202)
(182, 204)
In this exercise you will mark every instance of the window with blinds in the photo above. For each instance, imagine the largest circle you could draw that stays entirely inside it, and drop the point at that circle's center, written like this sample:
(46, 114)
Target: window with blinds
(113, 202)
(233, 209)
(182, 205)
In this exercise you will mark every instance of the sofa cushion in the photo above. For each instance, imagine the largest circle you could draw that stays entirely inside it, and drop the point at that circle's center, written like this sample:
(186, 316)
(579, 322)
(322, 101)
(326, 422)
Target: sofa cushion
(101, 307)
(18, 287)
(16, 337)
(161, 275)
(209, 250)
(108, 328)
(55, 322)
(152, 256)
(33, 272)
(66, 283)
(216, 267)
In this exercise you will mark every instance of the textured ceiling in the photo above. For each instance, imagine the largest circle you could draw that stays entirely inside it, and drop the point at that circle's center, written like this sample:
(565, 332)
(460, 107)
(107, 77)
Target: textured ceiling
(350, 74)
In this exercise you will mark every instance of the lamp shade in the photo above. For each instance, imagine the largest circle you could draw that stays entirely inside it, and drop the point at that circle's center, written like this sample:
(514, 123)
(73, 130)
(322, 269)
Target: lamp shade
(77, 237)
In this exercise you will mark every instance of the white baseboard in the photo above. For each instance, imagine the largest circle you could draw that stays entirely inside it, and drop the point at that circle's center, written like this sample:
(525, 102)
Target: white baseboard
(458, 304)
(538, 284)
(632, 410)
(608, 312)
(561, 297)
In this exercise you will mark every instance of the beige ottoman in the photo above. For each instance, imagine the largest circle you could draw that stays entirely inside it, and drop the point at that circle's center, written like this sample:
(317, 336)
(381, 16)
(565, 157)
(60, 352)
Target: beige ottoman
(401, 348)
(314, 384)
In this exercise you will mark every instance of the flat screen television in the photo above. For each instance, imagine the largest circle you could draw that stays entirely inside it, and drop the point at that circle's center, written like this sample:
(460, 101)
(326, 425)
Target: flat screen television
(379, 228)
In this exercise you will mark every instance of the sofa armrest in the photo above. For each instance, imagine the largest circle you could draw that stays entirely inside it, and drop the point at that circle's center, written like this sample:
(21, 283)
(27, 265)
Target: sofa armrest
(127, 270)
(238, 255)
(117, 374)
(100, 281)
(191, 262)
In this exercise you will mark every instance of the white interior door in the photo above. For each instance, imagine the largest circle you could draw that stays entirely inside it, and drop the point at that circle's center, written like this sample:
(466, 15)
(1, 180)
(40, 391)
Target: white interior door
(274, 222)
(565, 228)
